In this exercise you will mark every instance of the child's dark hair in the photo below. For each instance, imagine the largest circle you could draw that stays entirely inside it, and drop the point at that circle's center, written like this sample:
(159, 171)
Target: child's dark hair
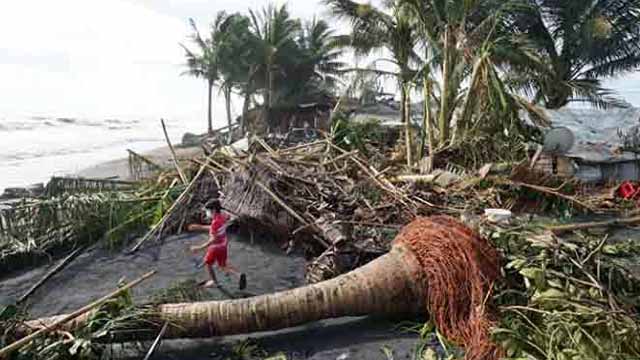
(213, 205)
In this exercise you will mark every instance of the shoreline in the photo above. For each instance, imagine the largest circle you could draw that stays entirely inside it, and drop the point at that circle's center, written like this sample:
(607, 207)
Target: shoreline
(119, 167)
(116, 168)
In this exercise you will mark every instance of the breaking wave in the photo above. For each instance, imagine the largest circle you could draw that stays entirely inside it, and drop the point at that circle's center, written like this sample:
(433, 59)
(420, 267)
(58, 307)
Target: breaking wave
(35, 122)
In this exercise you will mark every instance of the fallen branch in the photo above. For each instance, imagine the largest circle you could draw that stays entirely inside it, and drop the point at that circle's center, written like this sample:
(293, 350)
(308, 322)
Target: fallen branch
(594, 224)
(299, 147)
(553, 192)
(18, 344)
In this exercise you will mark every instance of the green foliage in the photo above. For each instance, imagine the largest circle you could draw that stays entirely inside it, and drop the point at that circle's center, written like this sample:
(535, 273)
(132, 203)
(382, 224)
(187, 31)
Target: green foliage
(268, 53)
(71, 219)
(571, 46)
(392, 29)
(429, 335)
(180, 292)
(351, 135)
(118, 314)
(567, 298)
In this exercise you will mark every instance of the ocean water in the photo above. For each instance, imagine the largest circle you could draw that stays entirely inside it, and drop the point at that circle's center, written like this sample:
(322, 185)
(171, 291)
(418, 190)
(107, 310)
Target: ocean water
(34, 148)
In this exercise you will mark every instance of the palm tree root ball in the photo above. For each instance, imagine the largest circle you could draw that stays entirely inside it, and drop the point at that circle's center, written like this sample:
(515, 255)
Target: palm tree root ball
(436, 265)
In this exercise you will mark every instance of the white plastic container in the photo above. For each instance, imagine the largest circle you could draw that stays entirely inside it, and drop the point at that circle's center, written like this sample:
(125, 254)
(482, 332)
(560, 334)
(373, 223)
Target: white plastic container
(498, 215)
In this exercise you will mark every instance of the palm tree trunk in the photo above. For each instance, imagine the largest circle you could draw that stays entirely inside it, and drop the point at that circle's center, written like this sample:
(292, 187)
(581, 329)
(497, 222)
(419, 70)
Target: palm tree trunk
(227, 104)
(406, 115)
(245, 111)
(465, 118)
(268, 96)
(427, 125)
(444, 105)
(209, 113)
(389, 285)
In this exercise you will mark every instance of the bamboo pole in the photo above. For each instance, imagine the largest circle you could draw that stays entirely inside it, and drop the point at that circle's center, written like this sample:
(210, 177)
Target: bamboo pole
(173, 154)
(170, 211)
(53, 271)
(153, 347)
(18, 344)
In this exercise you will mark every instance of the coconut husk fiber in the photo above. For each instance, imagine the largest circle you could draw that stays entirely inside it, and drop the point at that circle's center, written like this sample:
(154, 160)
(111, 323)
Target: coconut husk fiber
(460, 269)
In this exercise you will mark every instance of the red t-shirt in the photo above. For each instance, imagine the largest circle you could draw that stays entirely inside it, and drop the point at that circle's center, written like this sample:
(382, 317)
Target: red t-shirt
(218, 228)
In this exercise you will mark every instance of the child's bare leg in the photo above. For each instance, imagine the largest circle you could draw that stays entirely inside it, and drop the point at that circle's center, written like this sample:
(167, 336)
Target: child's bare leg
(230, 269)
(212, 276)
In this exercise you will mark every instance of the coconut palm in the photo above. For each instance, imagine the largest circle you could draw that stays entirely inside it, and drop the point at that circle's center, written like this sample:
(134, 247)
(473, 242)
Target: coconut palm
(204, 61)
(235, 60)
(579, 43)
(274, 40)
(315, 73)
(464, 89)
(393, 30)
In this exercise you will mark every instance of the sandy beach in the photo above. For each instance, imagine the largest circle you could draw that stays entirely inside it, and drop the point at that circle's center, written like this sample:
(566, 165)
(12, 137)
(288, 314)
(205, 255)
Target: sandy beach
(119, 168)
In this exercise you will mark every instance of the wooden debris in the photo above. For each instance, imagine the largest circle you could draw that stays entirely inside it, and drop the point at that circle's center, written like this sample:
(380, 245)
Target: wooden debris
(594, 224)
(173, 154)
(141, 166)
(6, 351)
(159, 226)
(60, 185)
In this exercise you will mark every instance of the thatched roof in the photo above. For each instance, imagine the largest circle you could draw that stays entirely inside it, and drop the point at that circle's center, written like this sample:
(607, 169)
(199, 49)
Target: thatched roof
(245, 198)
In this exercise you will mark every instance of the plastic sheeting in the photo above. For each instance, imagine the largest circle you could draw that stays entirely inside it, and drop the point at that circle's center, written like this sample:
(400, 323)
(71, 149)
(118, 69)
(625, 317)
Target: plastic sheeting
(596, 132)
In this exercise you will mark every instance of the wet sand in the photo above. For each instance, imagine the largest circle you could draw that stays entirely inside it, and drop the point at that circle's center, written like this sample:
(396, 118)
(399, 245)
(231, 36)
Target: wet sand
(268, 269)
(98, 272)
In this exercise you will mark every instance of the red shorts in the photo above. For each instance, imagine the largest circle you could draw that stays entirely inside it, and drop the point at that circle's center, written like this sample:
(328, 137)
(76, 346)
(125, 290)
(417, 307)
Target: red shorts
(216, 254)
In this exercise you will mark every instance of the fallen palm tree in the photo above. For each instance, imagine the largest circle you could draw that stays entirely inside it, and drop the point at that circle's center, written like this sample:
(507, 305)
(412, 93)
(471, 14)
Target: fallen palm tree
(436, 265)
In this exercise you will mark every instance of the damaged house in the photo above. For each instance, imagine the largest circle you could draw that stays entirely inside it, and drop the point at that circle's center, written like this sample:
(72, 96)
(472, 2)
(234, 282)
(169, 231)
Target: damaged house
(598, 152)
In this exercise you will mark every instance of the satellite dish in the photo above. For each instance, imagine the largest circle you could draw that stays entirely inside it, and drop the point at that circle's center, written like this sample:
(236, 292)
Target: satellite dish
(558, 141)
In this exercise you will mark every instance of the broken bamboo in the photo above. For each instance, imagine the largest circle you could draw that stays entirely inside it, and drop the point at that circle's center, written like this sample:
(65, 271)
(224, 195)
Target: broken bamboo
(173, 154)
(169, 212)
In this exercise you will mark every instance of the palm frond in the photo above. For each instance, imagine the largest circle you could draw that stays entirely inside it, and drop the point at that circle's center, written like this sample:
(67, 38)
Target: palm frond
(592, 92)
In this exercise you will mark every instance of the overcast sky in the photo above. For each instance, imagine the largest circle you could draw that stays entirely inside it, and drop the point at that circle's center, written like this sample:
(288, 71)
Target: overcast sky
(105, 57)
(117, 57)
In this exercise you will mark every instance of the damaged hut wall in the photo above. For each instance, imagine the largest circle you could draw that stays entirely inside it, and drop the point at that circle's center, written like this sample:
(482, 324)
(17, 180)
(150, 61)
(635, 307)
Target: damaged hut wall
(587, 171)
(564, 166)
(254, 206)
(605, 172)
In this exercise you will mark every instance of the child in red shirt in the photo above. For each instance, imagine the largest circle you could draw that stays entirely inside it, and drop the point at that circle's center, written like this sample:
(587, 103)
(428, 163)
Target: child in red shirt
(217, 245)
